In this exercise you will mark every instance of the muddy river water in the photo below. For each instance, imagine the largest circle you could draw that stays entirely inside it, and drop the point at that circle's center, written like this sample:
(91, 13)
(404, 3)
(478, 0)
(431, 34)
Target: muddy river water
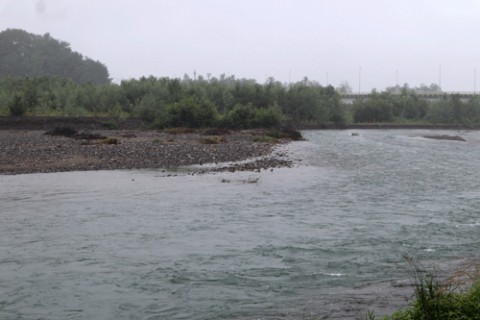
(322, 239)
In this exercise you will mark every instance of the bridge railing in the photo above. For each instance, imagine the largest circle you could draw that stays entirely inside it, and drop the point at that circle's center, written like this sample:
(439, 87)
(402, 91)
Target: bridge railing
(462, 94)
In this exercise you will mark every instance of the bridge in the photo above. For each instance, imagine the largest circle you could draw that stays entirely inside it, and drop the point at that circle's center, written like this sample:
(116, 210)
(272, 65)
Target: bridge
(349, 98)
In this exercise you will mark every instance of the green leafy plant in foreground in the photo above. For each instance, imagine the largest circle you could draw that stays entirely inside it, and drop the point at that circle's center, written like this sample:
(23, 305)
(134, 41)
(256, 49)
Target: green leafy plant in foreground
(438, 301)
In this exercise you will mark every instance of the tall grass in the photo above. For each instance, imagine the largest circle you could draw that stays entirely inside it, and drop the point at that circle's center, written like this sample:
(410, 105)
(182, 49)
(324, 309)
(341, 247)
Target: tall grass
(456, 298)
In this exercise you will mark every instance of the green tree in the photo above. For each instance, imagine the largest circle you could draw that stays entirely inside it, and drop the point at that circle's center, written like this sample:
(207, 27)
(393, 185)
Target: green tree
(189, 112)
(408, 105)
(376, 108)
(17, 107)
(24, 54)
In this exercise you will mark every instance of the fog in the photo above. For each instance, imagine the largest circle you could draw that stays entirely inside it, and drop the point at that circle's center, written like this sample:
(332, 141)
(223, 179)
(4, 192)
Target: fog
(329, 41)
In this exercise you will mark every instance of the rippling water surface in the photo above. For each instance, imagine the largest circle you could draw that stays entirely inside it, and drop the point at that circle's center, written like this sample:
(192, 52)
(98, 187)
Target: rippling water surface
(143, 245)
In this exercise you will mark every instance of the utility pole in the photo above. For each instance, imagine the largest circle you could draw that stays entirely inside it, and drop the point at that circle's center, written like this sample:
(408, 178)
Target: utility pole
(327, 80)
(440, 77)
(396, 78)
(359, 79)
(475, 81)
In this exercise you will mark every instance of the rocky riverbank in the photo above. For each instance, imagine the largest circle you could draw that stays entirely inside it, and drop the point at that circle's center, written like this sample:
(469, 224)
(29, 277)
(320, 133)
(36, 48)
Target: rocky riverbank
(34, 151)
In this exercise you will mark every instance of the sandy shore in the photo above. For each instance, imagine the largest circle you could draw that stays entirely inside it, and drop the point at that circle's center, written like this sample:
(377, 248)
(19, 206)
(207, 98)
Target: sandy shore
(33, 151)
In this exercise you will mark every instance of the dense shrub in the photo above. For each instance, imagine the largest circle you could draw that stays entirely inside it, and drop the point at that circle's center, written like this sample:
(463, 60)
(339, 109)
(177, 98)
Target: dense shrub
(246, 117)
(377, 108)
(16, 107)
(188, 112)
(408, 105)
(268, 118)
(240, 117)
(451, 109)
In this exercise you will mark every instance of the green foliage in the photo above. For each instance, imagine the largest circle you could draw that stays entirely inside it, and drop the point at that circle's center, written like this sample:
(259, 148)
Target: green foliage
(165, 102)
(308, 101)
(405, 105)
(225, 101)
(240, 117)
(451, 109)
(435, 301)
(266, 139)
(188, 112)
(369, 315)
(268, 118)
(401, 104)
(40, 75)
(409, 106)
(246, 117)
(17, 106)
(434, 304)
(377, 108)
(23, 54)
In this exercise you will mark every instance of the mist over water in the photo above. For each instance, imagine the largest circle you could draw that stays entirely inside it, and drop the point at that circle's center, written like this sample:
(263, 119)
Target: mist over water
(143, 245)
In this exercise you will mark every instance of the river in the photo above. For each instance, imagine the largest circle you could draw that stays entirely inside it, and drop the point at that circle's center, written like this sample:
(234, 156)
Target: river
(276, 244)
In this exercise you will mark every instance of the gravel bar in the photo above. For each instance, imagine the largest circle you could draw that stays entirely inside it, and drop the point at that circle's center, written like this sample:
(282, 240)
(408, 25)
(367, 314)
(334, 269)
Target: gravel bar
(32, 151)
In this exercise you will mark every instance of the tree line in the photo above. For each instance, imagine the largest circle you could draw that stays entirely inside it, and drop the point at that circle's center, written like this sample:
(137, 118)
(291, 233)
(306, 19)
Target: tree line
(40, 75)
(226, 101)
(167, 102)
(407, 105)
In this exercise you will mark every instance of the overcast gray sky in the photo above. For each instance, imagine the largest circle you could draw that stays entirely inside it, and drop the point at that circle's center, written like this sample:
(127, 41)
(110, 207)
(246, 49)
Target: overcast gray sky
(406, 40)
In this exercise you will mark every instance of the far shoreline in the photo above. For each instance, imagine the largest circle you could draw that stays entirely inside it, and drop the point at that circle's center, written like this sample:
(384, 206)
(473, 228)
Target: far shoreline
(387, 126)
(111, 123)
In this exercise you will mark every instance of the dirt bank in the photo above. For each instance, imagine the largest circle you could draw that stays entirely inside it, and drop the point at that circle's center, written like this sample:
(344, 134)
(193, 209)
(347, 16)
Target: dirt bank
(80, 123)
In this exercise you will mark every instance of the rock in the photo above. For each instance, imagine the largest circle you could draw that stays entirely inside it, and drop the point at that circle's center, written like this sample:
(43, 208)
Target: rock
(445, 137)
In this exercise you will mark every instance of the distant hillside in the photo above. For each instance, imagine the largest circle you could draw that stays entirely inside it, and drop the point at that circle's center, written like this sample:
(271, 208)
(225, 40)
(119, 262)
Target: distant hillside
(24, 54)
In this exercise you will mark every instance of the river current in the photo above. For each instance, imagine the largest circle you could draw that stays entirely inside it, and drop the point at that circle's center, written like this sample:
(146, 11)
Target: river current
(148, 244)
